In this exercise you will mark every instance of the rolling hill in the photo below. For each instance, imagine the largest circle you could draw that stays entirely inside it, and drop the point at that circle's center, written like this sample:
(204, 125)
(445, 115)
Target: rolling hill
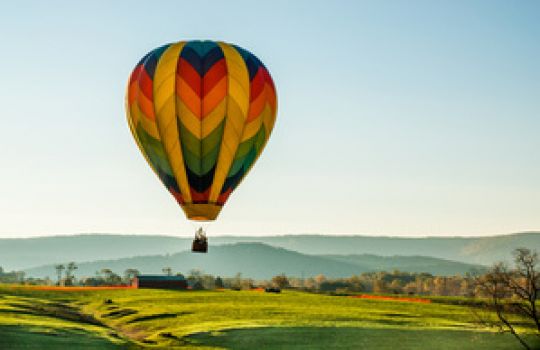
(24, 253)
(261, 261)
(474, 250)
(417, 263)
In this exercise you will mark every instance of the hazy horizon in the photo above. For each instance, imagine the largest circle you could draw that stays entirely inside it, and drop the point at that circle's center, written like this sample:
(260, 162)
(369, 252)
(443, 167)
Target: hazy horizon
(190, 235)
(394, 118)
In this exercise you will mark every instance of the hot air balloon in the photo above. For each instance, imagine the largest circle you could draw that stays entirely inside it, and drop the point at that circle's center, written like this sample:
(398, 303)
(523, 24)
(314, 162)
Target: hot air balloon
(201, 113)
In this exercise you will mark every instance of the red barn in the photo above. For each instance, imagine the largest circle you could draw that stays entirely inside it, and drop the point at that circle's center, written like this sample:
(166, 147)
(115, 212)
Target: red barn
(160, 282)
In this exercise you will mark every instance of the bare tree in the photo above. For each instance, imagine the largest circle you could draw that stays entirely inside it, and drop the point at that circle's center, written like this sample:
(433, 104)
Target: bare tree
(525, 285)
(280, 281)
(70, 276)
(513, 292)
(106, 272)
(110, 277)
(59, 270)
(20, 276)
(130, 274)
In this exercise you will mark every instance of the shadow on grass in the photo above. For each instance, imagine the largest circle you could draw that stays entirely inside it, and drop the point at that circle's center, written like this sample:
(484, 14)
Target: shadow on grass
(314, 338)
(157, 317)
(119, 313)
(57, 310)
(17, 337)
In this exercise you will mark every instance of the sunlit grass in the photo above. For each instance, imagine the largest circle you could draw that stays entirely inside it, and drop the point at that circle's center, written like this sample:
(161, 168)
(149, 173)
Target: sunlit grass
(184, 319)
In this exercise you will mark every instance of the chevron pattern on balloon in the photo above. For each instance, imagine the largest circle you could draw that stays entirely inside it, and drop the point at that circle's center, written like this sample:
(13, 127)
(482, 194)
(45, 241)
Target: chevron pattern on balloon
(142, 120)
(201, 113)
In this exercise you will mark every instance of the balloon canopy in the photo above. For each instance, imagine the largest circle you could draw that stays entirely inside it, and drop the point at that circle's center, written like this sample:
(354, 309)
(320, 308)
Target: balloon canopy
(201, 113)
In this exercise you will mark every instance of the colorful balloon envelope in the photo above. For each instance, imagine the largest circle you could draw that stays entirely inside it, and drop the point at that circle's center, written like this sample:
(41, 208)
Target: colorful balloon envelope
(201, 113)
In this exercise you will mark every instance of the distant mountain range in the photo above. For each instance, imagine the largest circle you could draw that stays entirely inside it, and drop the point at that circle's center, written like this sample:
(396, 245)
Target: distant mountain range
(31, 252)
(261, 261)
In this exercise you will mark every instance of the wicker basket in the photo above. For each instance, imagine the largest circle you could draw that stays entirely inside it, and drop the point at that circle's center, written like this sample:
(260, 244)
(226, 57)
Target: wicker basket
(199, 246)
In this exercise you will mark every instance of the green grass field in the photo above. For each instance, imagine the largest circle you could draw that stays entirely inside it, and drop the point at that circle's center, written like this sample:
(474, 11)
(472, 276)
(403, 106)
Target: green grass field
(154, 319)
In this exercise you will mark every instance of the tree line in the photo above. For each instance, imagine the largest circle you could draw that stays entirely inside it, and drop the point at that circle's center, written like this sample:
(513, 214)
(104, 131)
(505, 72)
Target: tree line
(394, 282)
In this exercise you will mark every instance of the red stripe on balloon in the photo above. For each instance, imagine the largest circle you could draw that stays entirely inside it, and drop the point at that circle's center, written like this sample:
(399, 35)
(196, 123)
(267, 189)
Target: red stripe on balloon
(190, 75)
(222, 198)
(198, 197)
(257, 84)
(145, 83)
(177, 196)
(214, 75)
(271, 97)
(132, 93)
(135, 74)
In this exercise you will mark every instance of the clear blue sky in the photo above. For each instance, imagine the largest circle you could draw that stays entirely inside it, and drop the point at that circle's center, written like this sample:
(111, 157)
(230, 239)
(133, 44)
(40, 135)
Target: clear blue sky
(394, 118)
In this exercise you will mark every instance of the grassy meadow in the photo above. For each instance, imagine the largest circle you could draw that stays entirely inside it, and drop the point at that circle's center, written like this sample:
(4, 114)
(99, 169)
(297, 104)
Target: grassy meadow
(156, 319)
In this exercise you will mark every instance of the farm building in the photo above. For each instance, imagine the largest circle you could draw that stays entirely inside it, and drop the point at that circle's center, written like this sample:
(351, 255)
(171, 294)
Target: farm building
(160, 282)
